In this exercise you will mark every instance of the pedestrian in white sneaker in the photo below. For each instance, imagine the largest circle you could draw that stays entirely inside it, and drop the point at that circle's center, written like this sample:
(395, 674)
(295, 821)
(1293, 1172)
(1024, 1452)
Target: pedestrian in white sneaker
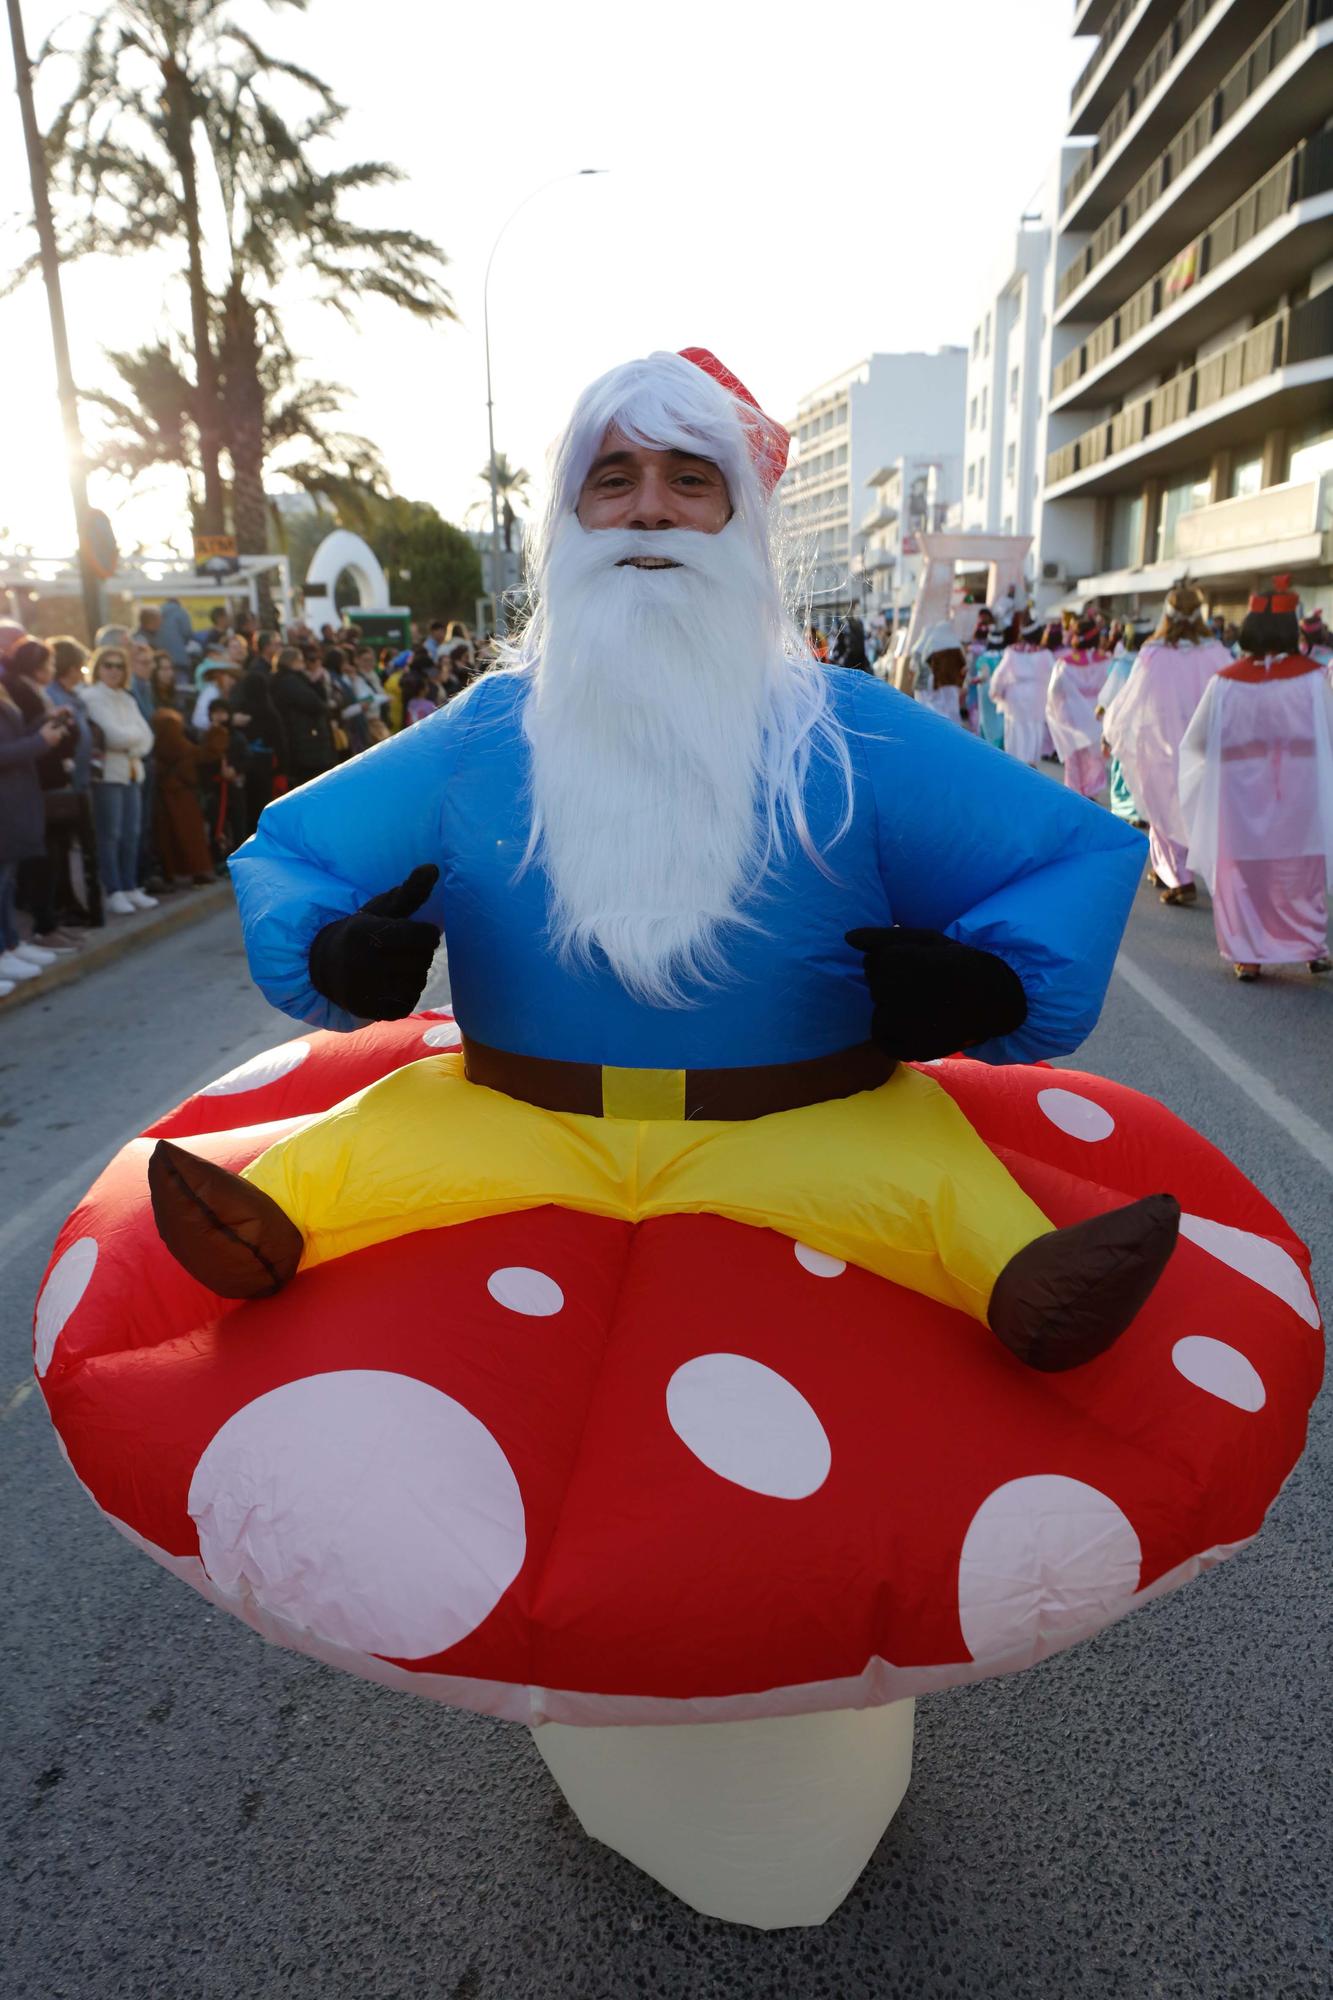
(118, 791)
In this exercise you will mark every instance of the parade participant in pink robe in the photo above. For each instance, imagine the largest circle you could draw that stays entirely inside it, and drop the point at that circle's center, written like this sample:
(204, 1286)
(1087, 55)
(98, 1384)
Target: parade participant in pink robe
(1071, 711)
(1018, 689)
(1256, 788)
(1146, 721)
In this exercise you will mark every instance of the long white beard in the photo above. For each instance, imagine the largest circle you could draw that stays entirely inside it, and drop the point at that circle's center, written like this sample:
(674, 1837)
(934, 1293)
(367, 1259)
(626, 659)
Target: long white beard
(651, 710)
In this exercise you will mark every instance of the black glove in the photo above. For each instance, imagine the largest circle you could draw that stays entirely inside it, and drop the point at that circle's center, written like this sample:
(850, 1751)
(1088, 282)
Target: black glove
(375, 962)
(933, 995)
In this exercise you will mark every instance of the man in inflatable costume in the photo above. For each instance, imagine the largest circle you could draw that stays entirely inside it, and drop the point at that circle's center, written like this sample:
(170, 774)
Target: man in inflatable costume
(703, 899)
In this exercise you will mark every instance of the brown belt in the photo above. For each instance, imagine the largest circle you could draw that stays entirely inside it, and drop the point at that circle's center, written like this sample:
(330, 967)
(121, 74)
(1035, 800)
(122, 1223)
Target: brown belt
(752, 1092)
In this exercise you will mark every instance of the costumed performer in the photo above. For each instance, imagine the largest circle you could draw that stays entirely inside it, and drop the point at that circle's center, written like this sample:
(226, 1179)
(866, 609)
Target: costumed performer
(1146, 721)
(1071, 710)
(703, 901)
(1018, 688)
(1123, 660)
(1256, 793)
(941, 655)
(990, 722)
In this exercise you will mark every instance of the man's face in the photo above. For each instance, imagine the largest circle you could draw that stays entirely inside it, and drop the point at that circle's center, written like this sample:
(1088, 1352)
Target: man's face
(141, 659)
(630, 486)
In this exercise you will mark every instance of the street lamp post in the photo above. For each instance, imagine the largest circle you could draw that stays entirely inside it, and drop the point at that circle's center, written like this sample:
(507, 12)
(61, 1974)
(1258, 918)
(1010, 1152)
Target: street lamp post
(579, 173)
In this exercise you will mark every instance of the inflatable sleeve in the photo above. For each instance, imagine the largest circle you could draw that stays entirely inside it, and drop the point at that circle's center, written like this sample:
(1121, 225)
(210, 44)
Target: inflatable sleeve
(1000, 857)
(324, 849)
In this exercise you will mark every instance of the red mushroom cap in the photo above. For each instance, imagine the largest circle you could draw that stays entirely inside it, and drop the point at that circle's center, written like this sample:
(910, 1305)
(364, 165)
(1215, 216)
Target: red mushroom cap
(553, 1465)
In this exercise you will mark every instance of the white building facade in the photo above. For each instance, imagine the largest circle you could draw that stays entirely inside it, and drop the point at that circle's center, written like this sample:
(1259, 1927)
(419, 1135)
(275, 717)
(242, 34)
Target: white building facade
(885, 409)
(1006, 380)
(1190, 401)
(913, 496)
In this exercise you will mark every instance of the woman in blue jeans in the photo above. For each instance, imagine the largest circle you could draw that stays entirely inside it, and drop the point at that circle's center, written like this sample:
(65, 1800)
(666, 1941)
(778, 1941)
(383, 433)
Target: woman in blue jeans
(118, 792)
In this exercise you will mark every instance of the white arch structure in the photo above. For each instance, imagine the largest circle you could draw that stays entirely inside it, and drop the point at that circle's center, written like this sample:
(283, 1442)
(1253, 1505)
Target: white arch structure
(343, 551)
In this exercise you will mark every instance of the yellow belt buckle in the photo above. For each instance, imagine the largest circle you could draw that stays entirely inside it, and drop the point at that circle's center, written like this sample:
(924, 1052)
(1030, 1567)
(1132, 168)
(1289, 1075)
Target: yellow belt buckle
(643, 1093)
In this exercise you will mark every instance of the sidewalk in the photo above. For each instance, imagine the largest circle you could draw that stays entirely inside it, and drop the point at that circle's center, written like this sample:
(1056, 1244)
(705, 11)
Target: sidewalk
(121, 934)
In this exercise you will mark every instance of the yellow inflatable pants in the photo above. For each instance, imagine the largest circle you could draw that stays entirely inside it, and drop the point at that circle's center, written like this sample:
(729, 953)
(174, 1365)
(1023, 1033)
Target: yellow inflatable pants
(893, 1179)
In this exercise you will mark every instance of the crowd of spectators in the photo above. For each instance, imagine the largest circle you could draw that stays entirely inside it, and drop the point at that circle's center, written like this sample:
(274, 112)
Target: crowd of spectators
(134, 771)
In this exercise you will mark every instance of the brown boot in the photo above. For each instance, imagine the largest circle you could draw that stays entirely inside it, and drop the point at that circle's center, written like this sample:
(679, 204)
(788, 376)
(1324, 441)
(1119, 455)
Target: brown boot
(228, 1234)
(1066, 1297)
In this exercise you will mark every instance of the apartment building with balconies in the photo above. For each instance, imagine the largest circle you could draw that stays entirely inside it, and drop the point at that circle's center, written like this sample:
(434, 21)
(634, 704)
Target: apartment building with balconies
(884, 408)
(1189, 420)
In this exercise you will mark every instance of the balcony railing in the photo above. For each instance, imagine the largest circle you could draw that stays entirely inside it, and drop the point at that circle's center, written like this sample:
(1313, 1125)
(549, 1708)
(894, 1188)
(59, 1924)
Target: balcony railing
(1116, 20)
(1306, 170)
(1297, 333)
(1218, 109)
(1275, 514)
(1144, 81)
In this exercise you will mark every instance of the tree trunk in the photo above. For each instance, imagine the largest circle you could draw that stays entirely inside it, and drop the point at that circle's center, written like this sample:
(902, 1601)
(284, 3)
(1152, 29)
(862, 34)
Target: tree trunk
(179, 102)
(245, 432)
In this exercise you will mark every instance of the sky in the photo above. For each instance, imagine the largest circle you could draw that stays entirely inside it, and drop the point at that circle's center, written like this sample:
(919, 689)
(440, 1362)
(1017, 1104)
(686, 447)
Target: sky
(793, 187)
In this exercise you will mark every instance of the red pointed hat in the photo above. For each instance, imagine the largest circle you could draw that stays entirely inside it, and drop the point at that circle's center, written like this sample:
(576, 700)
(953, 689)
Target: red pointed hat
(769, 443)
(1280, 598)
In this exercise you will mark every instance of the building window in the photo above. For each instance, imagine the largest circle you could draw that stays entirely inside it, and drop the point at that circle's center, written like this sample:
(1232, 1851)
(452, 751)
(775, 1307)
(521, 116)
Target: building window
(983, 407)
(1184, 496)
(1008, 524)
(976, 342)
(1311, 451)
(981, 475)
(971, 478)
(1247, 476)
(1124, 531)
(1010, 462)
(1013, 388)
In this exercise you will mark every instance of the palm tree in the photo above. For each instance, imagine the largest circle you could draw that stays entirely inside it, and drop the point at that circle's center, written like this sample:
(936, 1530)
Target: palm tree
(511, 483)
(123, 156)
(283, 212)
(122, 152)
(152, 423)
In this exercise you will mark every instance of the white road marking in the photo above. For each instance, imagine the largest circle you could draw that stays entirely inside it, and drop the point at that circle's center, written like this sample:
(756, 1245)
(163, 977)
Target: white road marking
(20, 1395)
(1299, 1128)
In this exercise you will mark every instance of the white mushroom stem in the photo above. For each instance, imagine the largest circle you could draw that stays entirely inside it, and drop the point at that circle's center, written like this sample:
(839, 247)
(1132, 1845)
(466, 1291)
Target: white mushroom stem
(766, 1823)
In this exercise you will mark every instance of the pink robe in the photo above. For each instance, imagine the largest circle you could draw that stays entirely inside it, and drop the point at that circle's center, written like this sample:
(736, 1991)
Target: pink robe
(1071, 714)
(1144, 726)
(1256, 792)
(1018, 689)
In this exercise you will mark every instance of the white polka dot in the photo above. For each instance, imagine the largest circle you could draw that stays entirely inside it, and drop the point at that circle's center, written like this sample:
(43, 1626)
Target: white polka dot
(748, 1424)
(525, 1291)
(818, 1263)
(363, 1506)
(266, 1067)
(1212, 1365)
(1046, 1560)
(60, 1295)
(1078, 1116)
(447, 1036)
(1255, 1257)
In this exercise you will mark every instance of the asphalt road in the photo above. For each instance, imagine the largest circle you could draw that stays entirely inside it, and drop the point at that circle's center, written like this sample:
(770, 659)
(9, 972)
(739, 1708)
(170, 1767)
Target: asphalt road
(191, 1813)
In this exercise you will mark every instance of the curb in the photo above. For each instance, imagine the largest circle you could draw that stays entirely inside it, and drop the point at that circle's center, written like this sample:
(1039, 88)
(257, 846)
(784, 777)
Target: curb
(186, 907)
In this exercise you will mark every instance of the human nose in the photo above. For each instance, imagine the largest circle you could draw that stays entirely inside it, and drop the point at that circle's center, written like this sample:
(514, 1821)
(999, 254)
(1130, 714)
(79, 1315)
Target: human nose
(656, 505)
